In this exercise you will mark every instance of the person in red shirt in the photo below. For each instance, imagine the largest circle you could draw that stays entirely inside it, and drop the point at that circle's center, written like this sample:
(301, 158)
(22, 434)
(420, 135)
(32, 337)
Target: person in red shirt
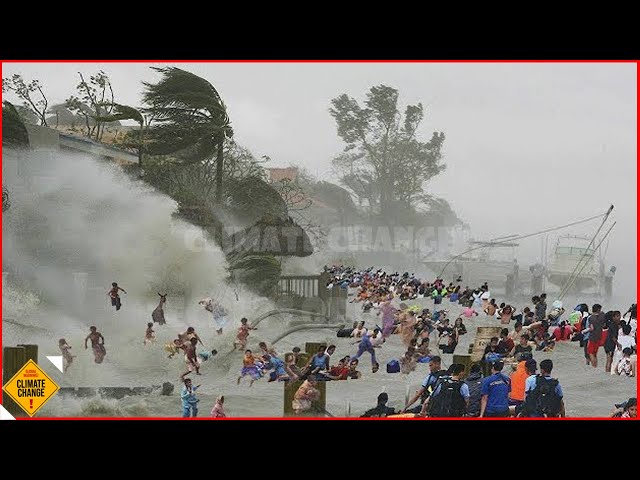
(562, 332)
(506, 342)
(339, 371)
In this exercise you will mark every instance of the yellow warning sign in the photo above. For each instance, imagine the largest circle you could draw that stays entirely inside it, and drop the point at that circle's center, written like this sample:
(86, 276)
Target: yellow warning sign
(30, 388)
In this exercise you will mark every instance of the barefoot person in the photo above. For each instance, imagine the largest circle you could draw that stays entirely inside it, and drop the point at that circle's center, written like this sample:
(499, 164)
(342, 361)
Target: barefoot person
(172, 348)
(97, 344)
(206, 355)
(191, 358)
(66, 354)
(218, 409)
(305, 396)
(185, 337)
(114, 294)
(243, 334)
(249, 367)
(218, 311)
(149, 337)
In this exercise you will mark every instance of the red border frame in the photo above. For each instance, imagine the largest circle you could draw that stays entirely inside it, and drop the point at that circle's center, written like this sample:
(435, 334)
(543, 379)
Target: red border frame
(637, 62)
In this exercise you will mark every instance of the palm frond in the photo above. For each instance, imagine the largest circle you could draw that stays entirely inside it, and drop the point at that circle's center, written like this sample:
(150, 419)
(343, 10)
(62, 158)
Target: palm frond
(190, 118)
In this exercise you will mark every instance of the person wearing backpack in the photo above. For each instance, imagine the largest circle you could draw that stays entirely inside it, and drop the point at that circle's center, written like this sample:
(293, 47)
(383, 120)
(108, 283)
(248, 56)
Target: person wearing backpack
(427, 386)
(543, 395)
(474, 382)
(450, 397)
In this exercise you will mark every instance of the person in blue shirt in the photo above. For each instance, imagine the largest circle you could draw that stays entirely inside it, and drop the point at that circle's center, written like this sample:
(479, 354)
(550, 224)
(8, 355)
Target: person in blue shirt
(365, 345)
(279, 369)
(427, 386)
(457, 409)
(495, 393)
(546, 366)
(206, 355)
(320, 361)
(189, 400)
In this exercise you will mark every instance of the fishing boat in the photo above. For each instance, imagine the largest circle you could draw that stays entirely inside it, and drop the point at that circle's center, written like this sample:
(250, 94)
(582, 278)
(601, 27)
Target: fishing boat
(573, 255)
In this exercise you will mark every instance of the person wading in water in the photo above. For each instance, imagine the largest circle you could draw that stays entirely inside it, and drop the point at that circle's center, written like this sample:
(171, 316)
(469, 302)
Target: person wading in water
(115, 297)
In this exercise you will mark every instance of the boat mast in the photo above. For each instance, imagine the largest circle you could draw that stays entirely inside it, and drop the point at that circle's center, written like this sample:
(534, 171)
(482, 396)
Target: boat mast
(586, 257)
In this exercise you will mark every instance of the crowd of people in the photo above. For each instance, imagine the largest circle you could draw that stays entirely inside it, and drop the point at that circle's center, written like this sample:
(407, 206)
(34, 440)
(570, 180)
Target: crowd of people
(535, 328)
(530, 390)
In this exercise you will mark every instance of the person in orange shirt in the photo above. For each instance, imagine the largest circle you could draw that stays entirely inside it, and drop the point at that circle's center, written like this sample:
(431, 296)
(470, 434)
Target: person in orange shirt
(526, 367)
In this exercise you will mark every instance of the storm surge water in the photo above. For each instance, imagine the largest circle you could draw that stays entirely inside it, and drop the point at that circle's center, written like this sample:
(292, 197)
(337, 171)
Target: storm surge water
(77, 224)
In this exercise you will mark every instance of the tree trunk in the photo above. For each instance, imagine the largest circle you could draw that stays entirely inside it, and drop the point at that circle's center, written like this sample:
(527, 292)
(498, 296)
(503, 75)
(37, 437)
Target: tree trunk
(219, 170)
(141, 148)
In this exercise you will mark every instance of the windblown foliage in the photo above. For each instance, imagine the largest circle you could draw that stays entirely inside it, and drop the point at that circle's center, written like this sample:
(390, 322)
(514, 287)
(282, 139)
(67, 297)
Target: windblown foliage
(14, 132)
(190, 118)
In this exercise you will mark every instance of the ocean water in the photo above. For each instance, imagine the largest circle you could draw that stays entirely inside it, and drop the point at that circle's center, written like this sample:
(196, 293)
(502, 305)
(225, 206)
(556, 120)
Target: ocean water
(77, 224)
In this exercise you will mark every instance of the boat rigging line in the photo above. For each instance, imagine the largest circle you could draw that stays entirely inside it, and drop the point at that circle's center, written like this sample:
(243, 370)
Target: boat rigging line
(571, 280)
(520, 237)
(566, 288)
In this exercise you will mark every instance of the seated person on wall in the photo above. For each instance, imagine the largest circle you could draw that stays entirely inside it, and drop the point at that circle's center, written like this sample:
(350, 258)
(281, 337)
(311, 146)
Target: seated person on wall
(493, 348)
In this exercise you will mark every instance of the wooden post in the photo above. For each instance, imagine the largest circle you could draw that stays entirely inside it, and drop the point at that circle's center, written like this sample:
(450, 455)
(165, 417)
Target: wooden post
(31, 352)
(290, 388)
(13, 359)
(483, 338)
(466, 361)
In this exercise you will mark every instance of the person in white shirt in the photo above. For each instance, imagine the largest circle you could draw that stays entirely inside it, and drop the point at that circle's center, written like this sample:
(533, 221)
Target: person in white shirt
(625, 340)
(359, 331)
(630, 318)
(625, 367)
(376, 337)
(485, 297)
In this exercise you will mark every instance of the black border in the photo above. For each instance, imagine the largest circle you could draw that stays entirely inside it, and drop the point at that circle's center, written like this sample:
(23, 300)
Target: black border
(305, 43)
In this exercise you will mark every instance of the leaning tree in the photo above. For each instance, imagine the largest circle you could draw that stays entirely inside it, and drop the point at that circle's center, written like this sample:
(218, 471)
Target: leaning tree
(190, 120)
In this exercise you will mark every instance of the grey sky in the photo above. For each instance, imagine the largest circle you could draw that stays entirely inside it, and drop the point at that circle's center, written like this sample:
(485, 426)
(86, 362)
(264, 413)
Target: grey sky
(528, 146)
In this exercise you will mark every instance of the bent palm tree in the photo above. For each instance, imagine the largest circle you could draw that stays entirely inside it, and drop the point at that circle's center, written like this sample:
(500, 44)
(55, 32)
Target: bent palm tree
(191, 121)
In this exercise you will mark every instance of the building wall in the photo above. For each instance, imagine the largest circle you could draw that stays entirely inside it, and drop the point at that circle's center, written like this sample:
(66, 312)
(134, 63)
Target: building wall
(278, 174)
(44, 138)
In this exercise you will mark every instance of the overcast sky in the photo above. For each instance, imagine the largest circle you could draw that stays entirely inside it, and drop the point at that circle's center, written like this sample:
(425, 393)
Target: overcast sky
(527, 146)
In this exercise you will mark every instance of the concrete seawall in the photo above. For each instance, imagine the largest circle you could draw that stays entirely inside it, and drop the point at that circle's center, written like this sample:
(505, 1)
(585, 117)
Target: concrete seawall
(115, 392)
(44, 138)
